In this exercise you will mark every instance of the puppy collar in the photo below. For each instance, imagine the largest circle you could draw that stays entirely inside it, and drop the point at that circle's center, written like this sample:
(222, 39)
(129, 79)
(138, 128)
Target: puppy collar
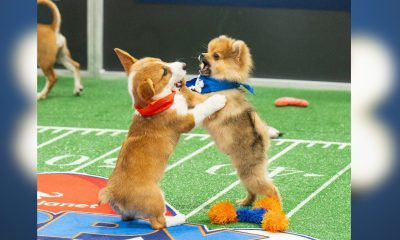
(157, 106)
(205, 84)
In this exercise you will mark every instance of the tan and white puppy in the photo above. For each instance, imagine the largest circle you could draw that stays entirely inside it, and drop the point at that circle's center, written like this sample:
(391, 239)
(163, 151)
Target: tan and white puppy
(133, 187)
(237, 129)
(52, 48)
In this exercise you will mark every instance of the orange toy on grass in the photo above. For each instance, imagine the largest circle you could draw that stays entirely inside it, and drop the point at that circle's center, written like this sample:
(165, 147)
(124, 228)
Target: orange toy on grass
(222, 213)
(267, 211)
(289, 101)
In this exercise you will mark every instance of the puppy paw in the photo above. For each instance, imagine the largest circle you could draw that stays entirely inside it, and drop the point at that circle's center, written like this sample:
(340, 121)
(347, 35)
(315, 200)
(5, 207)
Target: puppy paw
(40, 96)
(273, 132)
(77, 91)
(181, 218)
(244, 202)
(216, 102)
(175, 220)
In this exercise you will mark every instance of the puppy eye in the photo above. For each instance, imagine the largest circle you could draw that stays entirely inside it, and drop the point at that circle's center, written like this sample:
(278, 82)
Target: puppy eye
(216, 56)
(165, 72)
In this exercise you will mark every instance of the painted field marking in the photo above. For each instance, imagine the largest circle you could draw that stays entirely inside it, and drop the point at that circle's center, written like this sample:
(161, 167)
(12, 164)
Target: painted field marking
(86, 132)
(193, 135)
(100, 133)
(116, 133)
(279, 143)
(184, 159)
(316, 192)
(188, 136)
(43, 129)
(223, 192)
(326, 145)
(310, 145)
(237, 182)
(96, 159)
(56, 139)
(283, 152)
(56, 131)
(342, 146)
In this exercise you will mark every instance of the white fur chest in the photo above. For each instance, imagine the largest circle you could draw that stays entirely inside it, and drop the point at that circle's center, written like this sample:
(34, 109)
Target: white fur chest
(180, 105)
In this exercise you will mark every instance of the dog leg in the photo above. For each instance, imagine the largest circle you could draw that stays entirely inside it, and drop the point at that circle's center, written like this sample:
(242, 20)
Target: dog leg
(155, 207)
(201, 111)
(158, 222)
(250, 198)
(50, 81)
(207, 108)
(65, 59)
(192, 97)
(176, 220)
(257, 182)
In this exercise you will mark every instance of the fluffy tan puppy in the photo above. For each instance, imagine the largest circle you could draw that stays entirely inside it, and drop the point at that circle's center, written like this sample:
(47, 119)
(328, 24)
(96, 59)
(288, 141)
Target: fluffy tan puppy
(162, 116)
(237, 129)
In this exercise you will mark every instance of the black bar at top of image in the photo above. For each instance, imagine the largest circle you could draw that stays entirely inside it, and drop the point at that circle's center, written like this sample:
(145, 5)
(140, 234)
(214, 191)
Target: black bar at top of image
(332, 5)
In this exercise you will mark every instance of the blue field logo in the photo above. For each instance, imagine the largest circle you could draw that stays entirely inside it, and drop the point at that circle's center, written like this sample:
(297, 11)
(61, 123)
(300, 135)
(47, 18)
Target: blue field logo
(68, 209)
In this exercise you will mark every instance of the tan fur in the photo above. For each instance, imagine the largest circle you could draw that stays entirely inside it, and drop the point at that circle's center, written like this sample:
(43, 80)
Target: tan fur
(133, 187)
(237, 129)
(52, 48)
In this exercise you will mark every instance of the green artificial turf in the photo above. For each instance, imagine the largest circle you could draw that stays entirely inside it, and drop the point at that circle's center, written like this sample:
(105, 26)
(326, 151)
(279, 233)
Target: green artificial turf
(302, 170)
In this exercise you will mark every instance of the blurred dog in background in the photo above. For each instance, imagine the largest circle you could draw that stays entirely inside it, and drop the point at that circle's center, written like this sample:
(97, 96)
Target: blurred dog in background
(52, 48)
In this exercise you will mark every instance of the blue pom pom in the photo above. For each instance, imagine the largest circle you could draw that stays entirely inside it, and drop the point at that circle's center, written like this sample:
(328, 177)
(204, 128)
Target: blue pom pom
(250, 215)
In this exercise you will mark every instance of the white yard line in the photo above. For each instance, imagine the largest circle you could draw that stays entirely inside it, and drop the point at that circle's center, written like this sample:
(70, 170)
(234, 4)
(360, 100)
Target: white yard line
(82, 129)
(283, 152)
(42, 129)
(191, 135)
(184, 159)
(223, 192)
(56, 138)
(96, 159)
(237, 182)
(316, 192)
(56, 131)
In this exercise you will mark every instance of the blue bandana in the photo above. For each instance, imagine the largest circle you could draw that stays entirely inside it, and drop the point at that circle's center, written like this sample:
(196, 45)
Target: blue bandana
(204, 84)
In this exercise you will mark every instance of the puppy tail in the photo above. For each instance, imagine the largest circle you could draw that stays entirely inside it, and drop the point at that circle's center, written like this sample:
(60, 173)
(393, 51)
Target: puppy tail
(55, 25)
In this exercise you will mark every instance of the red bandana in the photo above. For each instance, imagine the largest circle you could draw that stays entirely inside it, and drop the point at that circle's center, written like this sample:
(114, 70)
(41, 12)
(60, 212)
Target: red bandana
(157, 106)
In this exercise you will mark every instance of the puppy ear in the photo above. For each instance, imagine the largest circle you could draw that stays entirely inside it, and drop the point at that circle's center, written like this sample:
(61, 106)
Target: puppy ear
(146, 89)
(125, 58)
(238, 48)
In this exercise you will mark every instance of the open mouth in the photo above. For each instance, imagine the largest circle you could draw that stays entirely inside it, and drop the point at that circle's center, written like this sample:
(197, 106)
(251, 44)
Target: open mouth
(205, 67)
(178, 85)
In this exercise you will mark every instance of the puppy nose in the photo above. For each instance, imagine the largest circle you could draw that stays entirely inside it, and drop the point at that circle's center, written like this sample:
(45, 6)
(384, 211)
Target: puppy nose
(201, 56)
(184, 66)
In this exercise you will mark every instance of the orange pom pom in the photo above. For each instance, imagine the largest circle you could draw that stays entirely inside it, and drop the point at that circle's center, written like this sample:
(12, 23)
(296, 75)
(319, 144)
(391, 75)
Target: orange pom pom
(222, 213)
(275, 221)
(269, 203)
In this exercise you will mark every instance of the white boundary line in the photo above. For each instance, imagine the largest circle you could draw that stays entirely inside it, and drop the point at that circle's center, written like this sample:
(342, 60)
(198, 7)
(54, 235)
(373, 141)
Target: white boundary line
(191, 135)
(184, 159)
(96, 159)
(316, 192)
(56, 138)
(237, 182)
(283, 152)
